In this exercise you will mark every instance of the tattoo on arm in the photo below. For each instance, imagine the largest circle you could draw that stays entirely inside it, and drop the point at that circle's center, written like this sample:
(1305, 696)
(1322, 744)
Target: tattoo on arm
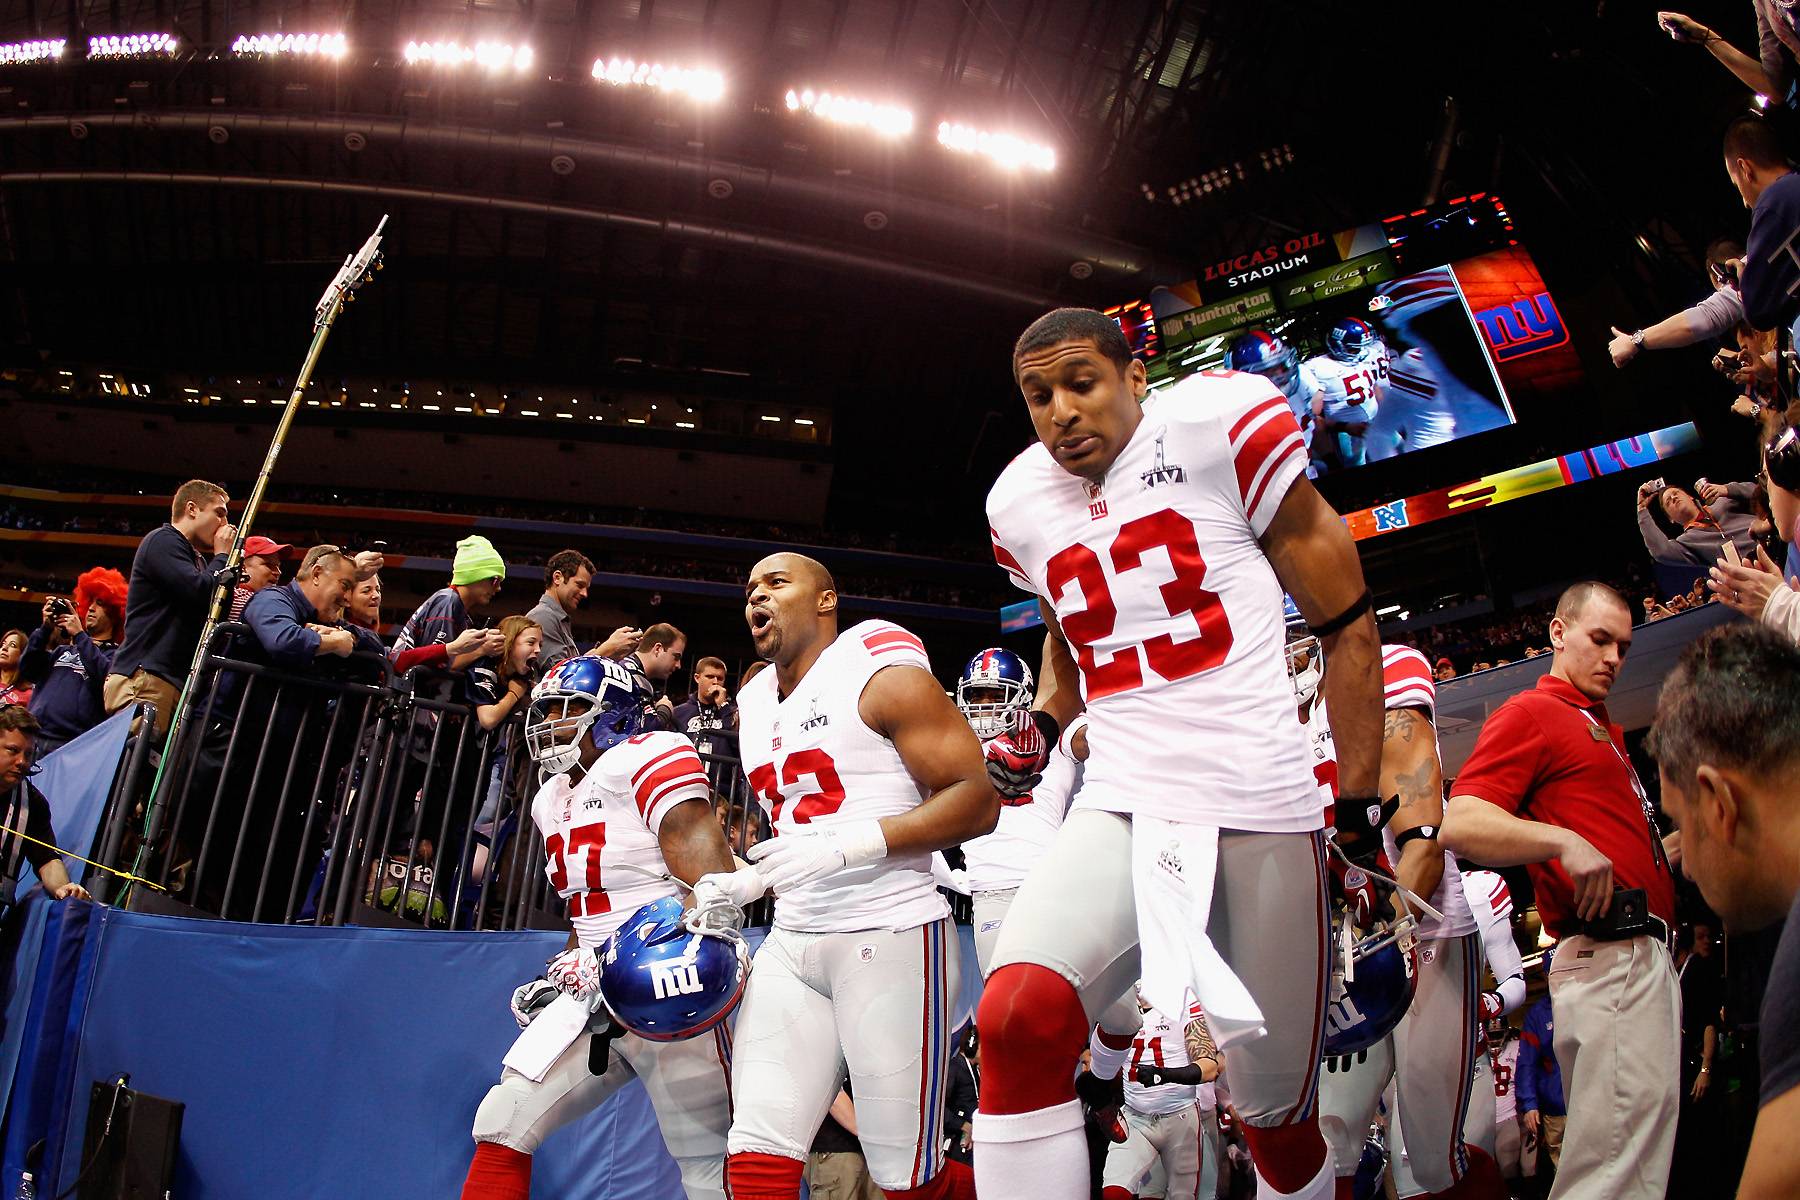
(1199, 1042)
(1399, 723)
(1417, 785)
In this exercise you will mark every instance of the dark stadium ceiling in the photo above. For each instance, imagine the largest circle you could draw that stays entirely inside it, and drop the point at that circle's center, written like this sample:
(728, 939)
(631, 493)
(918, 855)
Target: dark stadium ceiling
(183, 210)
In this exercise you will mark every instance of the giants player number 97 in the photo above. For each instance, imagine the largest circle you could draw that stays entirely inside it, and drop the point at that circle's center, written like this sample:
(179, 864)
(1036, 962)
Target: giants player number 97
(1158, 533)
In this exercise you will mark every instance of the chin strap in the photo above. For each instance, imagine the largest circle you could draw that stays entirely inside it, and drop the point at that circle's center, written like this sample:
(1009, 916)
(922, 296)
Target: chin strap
(1411, 898)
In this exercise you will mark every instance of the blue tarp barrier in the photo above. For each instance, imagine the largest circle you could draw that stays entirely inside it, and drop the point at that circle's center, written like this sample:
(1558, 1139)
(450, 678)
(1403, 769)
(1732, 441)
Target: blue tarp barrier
(318, 1062)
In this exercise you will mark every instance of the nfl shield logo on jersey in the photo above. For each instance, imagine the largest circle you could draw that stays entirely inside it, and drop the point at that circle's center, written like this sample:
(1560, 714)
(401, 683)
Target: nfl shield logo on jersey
(1096, 502)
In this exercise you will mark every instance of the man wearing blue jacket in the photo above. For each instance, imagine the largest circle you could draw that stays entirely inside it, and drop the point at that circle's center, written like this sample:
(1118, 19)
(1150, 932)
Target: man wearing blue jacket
(1540, 1081)
(69, 656)
(1758, 166)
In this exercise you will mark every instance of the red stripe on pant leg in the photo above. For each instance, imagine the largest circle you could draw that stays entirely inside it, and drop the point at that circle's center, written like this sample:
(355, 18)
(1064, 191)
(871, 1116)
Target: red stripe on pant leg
(924, 1051)
(1304, 1105)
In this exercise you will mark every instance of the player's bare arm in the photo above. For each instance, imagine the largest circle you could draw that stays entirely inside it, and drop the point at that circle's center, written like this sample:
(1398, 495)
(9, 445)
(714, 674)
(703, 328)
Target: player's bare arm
(1201, 1050)
(692, 842)
(1059, 683)
(908, 706)
(1315, 559)
(1410, 770)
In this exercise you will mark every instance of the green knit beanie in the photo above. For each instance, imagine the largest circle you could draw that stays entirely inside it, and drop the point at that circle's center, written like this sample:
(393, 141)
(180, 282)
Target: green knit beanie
(476, 560)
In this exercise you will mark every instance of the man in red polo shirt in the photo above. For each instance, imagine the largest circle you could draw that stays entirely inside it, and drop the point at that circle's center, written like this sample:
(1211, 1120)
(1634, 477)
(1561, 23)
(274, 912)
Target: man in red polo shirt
(1549, 785)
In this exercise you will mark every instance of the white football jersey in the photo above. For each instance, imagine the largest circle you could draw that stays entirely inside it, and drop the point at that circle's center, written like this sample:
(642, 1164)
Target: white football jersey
(600, 846)
(812, 761)
(1000, 860)
(1406, 682)
(1352, 390)
(1426, 417)
(1324, 751)
(1170, 607)
(1162, 1042)
(1490, 901)
(1505, 1066)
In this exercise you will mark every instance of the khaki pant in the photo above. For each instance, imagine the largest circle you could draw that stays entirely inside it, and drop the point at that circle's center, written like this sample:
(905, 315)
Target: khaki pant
(1552, 1130)
(122, 691)
(1618, 1039)
(840, 1175)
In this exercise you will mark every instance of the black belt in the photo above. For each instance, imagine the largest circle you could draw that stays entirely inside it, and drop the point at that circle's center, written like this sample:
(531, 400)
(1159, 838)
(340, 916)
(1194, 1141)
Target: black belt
(1651, 927)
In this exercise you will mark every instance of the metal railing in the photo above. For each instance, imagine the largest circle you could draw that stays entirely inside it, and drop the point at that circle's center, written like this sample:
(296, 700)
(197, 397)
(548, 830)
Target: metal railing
(353, 796)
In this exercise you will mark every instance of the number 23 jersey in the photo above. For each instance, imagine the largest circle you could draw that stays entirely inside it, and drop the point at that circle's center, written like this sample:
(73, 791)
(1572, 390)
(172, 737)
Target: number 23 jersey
(1170, 607)
(813, 763)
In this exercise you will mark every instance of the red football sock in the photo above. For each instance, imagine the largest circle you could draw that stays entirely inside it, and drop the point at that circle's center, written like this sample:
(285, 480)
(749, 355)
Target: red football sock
(753, 1176)
(1481, 1181)
(1289, 1156)
(498, 1173)
(1346, 1187)
(1033, 1030)
(1113, 1191)
(954, 1182)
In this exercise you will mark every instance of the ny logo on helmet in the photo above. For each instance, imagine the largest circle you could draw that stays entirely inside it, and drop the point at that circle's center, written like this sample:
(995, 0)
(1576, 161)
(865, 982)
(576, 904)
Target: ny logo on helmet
(674, 979)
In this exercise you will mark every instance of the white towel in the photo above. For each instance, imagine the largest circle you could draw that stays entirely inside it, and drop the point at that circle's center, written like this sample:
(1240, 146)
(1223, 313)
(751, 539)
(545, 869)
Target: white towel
(1174, 865)
(543, 1041)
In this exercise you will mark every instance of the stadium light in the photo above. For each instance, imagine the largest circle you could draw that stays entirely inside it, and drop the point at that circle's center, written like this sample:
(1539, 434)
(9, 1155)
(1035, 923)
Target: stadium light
(13, 54)
(696, 83)
(324, 45)
(491, 56)
(1004, 149)
(889, 120)
(131, 45)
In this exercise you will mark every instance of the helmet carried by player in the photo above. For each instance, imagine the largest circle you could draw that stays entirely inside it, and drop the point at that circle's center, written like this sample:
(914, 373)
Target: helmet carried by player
(1350, 339)
(581, 697)
(1005, 676)
(666, 979)
(1374, 974)
(1262, 353)
(1306, 667)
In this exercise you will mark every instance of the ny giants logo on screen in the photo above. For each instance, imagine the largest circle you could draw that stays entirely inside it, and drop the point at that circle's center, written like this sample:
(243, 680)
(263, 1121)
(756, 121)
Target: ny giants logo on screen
(1523, 327)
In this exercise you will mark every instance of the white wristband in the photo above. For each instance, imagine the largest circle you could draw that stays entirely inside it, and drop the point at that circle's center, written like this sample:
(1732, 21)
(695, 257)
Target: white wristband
(861, 843)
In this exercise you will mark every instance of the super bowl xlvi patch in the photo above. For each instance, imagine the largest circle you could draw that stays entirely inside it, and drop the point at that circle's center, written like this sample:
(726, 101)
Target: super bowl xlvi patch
(1162, 471)
(1169, 859)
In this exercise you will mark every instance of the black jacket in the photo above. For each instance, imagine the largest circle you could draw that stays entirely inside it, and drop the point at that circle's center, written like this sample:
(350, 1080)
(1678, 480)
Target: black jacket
(165, 606)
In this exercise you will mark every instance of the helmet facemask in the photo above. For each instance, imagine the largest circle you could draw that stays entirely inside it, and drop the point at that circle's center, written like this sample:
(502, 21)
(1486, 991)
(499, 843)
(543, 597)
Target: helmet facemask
(554, 726)
(992, 706)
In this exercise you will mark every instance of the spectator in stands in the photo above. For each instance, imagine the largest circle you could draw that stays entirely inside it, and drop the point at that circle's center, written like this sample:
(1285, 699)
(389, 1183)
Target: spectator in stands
(1445, 670)
(476, 574)
(364, 609)
(1771, 73)
(70, 654)
(1758, 591)
(499, 686)
(17, 729)
(657, 657)
(1702, 996)
(296, 622)
(262, 568)
(1699, 532)
(1714, 317)
(172, 581)
(15, 686)
(566, 579)
(1549, 786)
(1727, 743)
(1758, 166)
(710, 716)
(1541, 1109)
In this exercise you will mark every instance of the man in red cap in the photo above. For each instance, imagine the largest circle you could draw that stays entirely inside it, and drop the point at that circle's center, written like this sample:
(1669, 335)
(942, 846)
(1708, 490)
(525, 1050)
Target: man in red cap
(262, 568)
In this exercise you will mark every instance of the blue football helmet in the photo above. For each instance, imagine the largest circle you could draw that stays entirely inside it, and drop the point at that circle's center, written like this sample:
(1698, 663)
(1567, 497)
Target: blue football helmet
(1370, 992)
(1350, 339)
(1262, 353)
(665, 980)
(994, 669)
(582, 697)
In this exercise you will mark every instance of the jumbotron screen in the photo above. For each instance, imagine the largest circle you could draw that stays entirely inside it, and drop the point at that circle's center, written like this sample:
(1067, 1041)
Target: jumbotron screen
(1377, 359)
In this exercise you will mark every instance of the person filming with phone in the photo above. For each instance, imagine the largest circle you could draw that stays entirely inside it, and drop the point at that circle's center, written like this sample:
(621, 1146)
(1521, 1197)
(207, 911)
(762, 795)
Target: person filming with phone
(1549, 786)
(1694, 532)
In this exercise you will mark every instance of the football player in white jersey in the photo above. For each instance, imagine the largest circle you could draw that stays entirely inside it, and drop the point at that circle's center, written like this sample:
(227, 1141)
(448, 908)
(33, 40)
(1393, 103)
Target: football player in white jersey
(1159, 533)
(1415, 413)
(1262, 353)
(994, 693)
(1444, 360)
(866, 767)
(1170, 1062)
(624, 814)
(1431, 1052)
(1351, 373)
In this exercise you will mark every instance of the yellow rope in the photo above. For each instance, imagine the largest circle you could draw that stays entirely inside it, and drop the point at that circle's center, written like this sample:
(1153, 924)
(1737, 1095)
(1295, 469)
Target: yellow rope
(126, 875)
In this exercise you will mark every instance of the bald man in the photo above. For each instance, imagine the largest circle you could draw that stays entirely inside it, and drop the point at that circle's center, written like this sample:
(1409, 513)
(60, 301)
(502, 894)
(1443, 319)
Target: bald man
(865, 768)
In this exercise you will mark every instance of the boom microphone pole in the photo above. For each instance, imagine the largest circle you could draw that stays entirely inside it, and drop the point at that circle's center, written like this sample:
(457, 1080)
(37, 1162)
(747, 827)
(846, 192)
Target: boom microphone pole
(358, 269)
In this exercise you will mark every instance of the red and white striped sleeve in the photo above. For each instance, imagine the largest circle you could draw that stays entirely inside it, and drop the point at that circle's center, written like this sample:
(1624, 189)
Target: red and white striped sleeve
(889, 645)
(670, 773)
(1009, 563)
(1406, 680)
(1268, 451)
(1499, 895)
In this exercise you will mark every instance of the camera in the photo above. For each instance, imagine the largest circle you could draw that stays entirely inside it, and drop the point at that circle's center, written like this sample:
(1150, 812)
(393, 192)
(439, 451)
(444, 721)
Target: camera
(60, 607)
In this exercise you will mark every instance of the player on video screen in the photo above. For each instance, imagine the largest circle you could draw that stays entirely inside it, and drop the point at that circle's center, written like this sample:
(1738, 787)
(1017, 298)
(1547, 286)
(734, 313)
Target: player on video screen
(1448, 385)
(1262, 353)
(1352, 372)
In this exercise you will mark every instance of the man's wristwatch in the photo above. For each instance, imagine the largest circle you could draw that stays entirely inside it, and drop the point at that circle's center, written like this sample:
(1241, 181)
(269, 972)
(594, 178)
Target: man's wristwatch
(1637, 338)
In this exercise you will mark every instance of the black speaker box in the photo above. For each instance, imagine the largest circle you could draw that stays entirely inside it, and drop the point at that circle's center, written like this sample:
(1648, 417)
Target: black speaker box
(135, 1160)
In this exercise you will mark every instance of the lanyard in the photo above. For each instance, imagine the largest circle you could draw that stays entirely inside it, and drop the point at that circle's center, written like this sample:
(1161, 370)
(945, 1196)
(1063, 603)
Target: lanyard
(1637, 785)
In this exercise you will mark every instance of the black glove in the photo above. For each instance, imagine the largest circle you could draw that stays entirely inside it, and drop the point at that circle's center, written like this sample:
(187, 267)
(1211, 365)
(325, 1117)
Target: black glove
(1358, 820)
(1103, 1098)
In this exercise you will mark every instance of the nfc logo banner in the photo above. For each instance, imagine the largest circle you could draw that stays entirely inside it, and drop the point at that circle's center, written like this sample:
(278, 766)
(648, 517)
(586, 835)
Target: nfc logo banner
(1390, 516)
(674, 979)
(1523, 327)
